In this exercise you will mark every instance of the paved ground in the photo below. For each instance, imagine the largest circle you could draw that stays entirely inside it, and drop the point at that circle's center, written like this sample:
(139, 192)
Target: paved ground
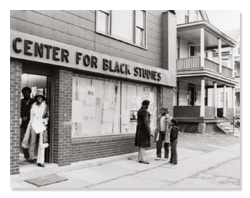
(205, 161)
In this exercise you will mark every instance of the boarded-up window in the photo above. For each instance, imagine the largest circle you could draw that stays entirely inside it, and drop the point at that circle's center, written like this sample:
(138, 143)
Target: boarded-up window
(132, 97)
(108, 107)
(96, 107)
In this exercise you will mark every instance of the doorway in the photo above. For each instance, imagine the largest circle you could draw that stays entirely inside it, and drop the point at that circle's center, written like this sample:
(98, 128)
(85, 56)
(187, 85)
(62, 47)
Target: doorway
(191, 95)
(40, 83)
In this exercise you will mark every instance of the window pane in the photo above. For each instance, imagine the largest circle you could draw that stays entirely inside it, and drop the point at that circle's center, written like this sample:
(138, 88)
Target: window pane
(96, 107)
(122, 24)
(132, 97)
(102, 22)
(139, 37)
(140, 19)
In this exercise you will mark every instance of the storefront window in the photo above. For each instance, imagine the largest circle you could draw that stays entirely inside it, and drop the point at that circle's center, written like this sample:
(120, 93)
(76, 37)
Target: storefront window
(96, 107)
(106, 107)
(132, 97)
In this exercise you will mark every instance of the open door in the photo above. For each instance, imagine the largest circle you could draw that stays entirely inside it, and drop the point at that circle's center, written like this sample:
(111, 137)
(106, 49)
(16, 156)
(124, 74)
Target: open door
(41, 83)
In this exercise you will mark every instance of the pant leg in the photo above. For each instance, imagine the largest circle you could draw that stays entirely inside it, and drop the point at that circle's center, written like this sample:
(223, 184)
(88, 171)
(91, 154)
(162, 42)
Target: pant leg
(33, 145)
(166, 148)
(159, 144)
(143, 154)
(139, 155)
(174, 152)
(41, 150)
(25, 151)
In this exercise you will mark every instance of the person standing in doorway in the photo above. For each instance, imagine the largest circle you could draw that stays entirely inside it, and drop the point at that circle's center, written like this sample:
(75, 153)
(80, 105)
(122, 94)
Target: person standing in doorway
(26, 104)
(162, 134)
(143, 132)
(39, 117)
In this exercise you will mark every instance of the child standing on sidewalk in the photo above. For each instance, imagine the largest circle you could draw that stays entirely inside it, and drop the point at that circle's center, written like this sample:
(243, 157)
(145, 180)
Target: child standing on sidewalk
(174, 141)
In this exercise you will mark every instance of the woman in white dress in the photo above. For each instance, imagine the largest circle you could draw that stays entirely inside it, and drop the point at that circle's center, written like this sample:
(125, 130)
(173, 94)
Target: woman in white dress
(39, 117)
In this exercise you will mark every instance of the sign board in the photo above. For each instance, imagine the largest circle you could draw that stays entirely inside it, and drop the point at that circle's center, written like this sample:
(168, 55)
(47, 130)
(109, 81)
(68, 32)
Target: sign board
(29, 47)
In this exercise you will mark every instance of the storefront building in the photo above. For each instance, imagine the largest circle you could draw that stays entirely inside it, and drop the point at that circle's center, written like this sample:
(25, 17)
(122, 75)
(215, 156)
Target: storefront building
(95, 68)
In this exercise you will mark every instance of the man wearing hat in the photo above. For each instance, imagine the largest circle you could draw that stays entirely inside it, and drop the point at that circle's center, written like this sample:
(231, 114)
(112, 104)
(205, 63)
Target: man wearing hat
(162, 133)
(39, 116)
(26, 104)
(143, 132)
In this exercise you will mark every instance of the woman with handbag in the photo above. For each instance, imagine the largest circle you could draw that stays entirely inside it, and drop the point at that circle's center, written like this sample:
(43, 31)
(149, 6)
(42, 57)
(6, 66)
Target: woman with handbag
(39, 117)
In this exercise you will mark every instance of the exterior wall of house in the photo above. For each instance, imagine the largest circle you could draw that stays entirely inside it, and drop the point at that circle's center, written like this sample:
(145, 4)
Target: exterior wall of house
(77, 31)
(184, 49)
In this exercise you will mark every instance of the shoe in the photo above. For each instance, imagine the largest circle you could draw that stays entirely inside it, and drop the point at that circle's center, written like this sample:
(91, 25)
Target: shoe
(173, 163)
(140, 161)
(165, 159)
(157, 158)
(32, 161)
(41, 165)
(145, 162)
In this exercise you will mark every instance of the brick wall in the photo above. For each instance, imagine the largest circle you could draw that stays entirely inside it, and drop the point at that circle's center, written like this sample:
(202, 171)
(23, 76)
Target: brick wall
(166, 98)
(62, 110)
(99, 147)
(15, 93)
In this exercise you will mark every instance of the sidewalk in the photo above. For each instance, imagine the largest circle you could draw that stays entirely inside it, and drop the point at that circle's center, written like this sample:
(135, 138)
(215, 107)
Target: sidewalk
(125, 172)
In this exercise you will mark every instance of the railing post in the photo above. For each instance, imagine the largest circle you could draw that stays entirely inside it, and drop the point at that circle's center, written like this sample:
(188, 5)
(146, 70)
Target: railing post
(219, 55)
(202, 110)
(233, 95)
(215, 99)
(224, 102)
(202, 47)
(232, 54)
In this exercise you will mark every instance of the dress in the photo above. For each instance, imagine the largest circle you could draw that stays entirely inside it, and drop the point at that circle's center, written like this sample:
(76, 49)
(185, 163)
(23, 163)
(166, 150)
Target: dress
(142, 136)
(38, 113)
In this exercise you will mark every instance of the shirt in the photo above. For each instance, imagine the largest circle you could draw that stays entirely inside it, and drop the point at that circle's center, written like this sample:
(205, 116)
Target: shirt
(25, 111)
(163, 123)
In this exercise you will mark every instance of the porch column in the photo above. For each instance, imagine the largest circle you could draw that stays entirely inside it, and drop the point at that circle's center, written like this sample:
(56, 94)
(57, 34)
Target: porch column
(215, 100)
(202, 47)
(219, 55)
(233, 95)
(224, 102)
(202, 110)
(232, 59)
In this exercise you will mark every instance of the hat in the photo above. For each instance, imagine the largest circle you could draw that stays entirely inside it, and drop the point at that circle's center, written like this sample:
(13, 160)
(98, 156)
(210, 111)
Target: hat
(39, 93)
(165, 109)
(145, 102)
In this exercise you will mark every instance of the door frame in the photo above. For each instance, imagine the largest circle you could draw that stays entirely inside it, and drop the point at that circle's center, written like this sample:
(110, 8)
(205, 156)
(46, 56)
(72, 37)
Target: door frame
(191, 87)
(48, 71)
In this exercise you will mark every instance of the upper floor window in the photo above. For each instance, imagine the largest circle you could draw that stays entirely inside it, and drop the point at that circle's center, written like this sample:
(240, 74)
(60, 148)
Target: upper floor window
(194, 50)
(125, 25)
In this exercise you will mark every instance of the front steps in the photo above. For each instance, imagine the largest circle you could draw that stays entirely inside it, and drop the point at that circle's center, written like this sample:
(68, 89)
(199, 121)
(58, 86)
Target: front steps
(228, 128)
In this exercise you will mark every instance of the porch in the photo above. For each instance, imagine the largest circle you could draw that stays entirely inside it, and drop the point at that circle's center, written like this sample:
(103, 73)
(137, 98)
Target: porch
(194, 63)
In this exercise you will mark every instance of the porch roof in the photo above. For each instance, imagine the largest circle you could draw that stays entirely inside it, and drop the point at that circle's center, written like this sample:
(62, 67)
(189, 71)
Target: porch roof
(191, 31)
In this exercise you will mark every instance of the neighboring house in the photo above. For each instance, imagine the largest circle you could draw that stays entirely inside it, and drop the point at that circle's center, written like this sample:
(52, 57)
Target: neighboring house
(226, 61)
(198, 106)
(95, 68)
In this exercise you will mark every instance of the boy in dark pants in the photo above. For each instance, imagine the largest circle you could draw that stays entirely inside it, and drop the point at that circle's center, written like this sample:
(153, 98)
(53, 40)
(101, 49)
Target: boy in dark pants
(174, 141)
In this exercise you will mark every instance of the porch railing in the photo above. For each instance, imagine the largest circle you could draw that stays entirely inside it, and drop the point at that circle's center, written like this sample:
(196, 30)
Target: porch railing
(209, 112)
(227, 72)
(195, 63)
(212, 66)
(188, 63)
(187, 111)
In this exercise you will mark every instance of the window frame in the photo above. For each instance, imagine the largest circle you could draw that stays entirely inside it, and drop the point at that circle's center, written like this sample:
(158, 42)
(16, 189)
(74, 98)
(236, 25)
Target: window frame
(109, 34)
